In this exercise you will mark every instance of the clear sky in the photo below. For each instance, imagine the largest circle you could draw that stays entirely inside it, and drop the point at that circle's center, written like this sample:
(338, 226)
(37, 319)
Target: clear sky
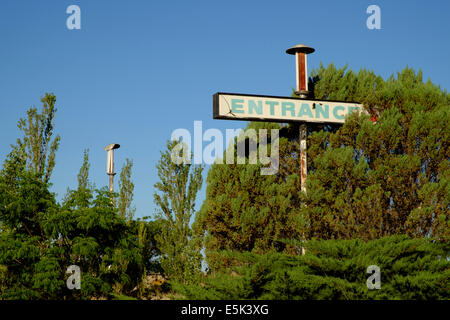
(137, 70)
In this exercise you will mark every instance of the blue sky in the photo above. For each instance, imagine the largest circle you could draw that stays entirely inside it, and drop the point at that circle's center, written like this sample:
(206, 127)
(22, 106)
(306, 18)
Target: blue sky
(137, 70)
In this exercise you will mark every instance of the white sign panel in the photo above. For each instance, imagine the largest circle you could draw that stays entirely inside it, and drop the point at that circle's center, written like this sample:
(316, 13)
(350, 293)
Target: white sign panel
(281, 109)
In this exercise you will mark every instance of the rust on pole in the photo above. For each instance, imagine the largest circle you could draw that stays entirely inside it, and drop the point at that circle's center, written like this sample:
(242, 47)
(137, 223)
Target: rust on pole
(303, 163)
(300, 51)
(303, 166)
(110, 164)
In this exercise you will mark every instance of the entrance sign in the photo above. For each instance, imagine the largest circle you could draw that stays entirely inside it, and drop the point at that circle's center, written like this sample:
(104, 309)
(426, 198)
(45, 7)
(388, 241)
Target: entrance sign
(281, 109)
(235, 106)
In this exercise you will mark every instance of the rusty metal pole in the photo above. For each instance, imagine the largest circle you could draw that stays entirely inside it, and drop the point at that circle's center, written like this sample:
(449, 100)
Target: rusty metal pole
(303, 163)
(300, 51)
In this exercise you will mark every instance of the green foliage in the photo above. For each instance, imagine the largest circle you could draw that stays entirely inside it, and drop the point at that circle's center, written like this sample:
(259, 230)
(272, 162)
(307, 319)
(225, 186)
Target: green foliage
(27, 264)
(175, 197)
(247, 211)
(333, 269)
(37, 143)
(39, 238)
(365, 180)
(85, 189)
(126, 186)
(370, 180)
(92, 235)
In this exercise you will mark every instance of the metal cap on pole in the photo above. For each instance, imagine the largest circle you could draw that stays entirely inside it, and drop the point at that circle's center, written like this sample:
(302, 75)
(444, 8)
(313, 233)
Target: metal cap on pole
(110, 163)
(300, 51)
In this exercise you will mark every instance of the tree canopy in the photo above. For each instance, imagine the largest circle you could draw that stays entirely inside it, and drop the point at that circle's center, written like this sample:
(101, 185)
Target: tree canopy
(40, 238)
(365, 180)
(378, 191)
(175, 197)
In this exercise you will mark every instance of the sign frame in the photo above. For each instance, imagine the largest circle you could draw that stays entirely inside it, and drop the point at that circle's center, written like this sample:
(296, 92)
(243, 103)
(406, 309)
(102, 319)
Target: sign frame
(217, 115)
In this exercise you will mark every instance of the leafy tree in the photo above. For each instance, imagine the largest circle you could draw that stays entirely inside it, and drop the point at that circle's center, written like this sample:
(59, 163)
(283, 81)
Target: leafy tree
(85, 188)
(126, 186)
(37, 143)
(27, 265)
(92, 235)
(146, 234)
(175, 197)
(83, 174)
(39, 238)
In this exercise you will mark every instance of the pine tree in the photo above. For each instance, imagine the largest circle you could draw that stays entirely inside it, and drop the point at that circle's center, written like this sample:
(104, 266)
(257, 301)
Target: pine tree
(365, 180)
(247, 211)
(333, 270)
(368, 179)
